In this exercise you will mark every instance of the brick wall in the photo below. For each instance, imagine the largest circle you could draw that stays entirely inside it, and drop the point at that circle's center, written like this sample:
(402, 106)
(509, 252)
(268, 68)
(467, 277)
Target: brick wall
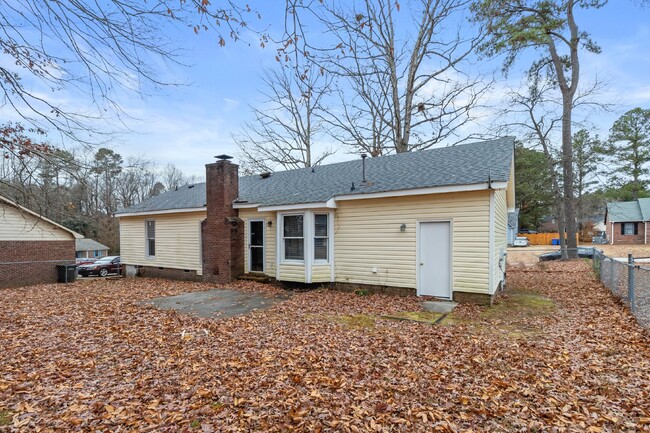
(222, 231)
(620, 239)
(23, 263)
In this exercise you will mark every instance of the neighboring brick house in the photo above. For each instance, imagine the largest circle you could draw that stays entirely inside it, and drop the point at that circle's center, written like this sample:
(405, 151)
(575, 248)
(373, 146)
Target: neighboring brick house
(31, 246)
(626, 222)
(432, 223)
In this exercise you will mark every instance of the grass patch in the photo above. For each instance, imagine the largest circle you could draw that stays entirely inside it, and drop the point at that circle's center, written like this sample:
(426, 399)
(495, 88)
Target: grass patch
(6, 417)
(517, 314)
(520, 302)
(417, 316)
(355, 320)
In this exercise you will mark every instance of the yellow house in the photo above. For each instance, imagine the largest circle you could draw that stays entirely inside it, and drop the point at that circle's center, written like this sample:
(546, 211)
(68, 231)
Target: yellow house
(430, 223)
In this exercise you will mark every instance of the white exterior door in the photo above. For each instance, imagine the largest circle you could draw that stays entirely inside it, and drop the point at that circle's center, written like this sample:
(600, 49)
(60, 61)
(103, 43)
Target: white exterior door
(434, 253)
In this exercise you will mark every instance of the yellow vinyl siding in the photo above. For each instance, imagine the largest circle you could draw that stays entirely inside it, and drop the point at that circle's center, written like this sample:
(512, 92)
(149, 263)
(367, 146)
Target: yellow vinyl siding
(500, 235)
(16, 225)
(321, 273)
(178, 241)
(292, 272)
(367, 235)
(269, 239)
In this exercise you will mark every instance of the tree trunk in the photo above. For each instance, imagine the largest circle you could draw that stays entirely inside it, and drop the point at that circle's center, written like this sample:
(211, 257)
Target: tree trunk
(567, 171)
(559, 210)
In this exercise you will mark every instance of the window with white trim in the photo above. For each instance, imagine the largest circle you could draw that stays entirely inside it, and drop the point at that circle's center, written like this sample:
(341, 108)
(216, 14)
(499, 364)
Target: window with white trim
(293, 237)
(150, 228)
(321, 237)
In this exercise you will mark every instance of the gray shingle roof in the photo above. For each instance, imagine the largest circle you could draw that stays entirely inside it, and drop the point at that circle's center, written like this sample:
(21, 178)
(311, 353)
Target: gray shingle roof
(644, 205)
(629, 211)
(447, 166)
(86, 244)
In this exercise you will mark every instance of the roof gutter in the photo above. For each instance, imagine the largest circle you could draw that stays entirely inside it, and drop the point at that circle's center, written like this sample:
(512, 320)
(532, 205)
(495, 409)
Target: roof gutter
(160, 212)
(422, 191)
(329, 204)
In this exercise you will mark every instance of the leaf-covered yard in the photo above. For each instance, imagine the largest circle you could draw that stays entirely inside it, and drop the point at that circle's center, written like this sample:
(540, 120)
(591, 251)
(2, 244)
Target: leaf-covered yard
(557, 353)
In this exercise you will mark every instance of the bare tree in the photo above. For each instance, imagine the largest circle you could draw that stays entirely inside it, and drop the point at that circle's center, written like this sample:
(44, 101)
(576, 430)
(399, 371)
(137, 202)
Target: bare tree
(402, 88)
(99, 50)
(287, 124)
(172, 178)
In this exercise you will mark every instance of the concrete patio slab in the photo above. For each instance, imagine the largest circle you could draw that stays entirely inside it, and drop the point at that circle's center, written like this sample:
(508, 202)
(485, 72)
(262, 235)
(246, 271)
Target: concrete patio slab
(217, 303)
(439, 306)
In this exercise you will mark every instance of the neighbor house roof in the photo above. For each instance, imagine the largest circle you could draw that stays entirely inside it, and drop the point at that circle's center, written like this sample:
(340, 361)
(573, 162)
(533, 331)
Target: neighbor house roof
(629, 211)
(467, 164)
(40, 217)
(86, 244)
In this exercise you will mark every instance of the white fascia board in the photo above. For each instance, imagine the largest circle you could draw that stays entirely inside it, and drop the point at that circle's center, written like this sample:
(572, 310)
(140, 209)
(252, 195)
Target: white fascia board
(236, 205)
(282, 207)
(422, 191)
(161, 212)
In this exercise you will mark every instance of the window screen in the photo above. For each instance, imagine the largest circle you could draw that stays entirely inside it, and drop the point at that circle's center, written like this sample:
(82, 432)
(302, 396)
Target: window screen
(320, 237)
(151, 238)
(294, 242)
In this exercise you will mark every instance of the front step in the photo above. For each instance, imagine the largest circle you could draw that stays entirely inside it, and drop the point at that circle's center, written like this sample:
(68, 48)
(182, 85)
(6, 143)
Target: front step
(260, 278)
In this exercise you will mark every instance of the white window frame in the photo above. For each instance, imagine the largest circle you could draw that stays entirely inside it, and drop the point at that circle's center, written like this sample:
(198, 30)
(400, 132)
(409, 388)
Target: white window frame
(304, 238)
(328, 237)
(146, 238)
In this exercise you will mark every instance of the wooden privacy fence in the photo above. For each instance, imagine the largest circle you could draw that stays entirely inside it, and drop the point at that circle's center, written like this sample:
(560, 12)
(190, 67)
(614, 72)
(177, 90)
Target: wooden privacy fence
(542, 238)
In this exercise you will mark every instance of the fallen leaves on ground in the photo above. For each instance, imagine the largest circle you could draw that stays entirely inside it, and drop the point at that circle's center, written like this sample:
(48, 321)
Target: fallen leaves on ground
(556, 353)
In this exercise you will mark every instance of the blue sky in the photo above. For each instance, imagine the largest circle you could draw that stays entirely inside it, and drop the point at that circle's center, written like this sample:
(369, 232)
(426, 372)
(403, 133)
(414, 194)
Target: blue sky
(189, 124)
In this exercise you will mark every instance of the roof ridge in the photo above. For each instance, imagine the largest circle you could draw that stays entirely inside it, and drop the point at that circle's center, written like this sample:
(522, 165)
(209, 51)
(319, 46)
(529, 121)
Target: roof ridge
(391, 155)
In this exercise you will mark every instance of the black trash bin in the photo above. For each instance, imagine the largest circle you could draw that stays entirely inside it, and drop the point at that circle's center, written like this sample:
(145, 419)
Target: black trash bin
(66, 273)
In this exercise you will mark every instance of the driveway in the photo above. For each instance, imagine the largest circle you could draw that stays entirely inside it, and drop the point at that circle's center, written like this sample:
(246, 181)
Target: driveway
(217, 302)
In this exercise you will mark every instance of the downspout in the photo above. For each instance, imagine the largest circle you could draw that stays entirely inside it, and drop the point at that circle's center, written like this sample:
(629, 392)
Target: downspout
(612, 237)
(645, 232)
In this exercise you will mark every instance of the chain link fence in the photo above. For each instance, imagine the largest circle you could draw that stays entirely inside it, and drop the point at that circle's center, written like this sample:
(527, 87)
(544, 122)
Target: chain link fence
(628, 280)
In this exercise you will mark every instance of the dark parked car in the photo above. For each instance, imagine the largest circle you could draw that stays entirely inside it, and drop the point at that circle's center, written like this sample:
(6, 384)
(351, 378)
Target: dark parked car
(583, 253)
(102, 267)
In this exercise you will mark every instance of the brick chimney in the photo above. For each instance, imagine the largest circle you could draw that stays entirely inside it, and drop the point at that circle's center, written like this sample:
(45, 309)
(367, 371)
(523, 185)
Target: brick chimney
(222, 231)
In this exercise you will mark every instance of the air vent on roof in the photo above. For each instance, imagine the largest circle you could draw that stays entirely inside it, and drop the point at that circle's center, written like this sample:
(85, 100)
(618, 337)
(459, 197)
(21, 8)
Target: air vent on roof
(265, 175)
(191, 186)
